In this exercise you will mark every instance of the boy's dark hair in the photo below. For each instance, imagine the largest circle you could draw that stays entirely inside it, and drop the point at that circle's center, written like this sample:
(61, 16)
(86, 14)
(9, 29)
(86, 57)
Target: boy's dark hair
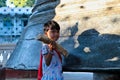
(53, 25)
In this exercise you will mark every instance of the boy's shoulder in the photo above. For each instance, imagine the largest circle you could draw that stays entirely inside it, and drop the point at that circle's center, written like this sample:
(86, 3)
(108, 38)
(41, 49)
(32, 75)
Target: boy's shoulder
(44, 45)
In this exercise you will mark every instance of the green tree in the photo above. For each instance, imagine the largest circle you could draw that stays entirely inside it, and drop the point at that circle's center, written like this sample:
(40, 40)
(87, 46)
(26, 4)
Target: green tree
(21, 3)
(2, 3)
(30, 3)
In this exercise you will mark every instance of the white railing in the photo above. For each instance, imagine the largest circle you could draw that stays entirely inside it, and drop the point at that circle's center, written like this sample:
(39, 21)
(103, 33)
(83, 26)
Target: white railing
(5, 52)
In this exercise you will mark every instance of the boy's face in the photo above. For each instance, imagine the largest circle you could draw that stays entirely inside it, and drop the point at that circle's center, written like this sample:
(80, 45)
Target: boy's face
(53, 34)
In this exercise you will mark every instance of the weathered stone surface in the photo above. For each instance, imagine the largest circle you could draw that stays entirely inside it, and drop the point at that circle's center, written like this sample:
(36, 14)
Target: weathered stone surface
(89, 31)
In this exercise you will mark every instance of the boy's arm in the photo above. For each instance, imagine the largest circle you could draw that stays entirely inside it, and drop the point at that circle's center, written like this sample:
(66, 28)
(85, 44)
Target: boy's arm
(46, 40)
(48, 56)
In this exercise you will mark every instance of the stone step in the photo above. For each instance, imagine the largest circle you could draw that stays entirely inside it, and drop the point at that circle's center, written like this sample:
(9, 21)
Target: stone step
(69, 76)
(12, 74)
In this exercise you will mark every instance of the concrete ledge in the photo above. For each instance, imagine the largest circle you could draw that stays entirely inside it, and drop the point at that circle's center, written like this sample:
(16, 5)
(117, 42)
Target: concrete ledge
(19, 74)
(90, 69)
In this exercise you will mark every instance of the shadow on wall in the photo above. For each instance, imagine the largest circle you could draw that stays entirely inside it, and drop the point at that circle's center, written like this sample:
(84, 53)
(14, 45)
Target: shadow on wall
(69, 44)
(95, 50)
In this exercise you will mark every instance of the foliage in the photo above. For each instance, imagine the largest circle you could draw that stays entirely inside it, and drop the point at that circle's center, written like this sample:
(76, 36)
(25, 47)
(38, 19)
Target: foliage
(2, 3)
(20, 3)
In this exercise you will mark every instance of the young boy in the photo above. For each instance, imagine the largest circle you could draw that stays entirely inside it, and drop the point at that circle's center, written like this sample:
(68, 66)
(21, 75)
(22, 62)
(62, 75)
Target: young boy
(51, 61)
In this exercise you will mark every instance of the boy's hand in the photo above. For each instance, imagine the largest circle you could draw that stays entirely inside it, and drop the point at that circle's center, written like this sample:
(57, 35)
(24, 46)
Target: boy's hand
(52, 45)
